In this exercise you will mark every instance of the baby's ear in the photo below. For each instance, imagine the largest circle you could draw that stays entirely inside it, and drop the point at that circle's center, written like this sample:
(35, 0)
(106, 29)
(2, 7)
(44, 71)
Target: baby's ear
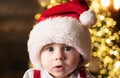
(81, 60)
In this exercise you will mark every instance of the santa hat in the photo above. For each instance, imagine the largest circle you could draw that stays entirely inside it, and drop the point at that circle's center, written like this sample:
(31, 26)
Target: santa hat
(67, 24)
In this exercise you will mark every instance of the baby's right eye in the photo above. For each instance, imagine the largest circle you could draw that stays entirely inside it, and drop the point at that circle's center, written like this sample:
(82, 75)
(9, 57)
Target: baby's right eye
(50, 48)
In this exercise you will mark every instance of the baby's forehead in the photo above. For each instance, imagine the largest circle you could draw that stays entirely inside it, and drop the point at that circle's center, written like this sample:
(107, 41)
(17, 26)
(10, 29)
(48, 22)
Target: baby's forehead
(58, 44)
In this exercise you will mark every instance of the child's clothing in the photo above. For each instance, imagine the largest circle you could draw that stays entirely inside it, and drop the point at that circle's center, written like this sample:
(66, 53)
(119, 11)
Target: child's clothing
(35, 73)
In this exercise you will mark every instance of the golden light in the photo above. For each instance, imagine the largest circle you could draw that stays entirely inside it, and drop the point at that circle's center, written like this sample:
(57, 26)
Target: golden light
(43, 3)
(106, 30)
(95, 5)
(103, 71)
(102, 17)
(105, 3)
(99, 33)
(109, 13)
(114, 52)
(108, 41)
(102, 48)
(37, 16)
(107, 59)
(117, 65)
(117, 4)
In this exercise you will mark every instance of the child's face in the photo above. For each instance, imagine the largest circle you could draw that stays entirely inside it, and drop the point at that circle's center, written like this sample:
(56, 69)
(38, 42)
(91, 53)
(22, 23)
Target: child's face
(59, 60)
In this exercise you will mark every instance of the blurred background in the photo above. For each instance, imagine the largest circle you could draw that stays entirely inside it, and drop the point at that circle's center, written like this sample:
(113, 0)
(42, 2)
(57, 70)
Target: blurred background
(17, 18)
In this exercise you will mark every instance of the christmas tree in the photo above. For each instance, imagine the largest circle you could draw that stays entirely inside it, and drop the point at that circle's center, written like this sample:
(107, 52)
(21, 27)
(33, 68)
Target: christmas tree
(105, 39)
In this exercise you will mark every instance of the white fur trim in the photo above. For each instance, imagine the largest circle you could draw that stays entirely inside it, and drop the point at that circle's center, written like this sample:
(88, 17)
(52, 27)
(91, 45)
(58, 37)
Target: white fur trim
(88, 18)
(66, 30)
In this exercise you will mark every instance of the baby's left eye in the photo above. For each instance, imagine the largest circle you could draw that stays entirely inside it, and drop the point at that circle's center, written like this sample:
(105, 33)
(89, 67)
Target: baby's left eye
(68, 48)
(50, 49)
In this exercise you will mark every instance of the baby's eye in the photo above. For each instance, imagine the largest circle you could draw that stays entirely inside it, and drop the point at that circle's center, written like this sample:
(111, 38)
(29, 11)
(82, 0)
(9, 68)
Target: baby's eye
(50, 48)
(68, 48)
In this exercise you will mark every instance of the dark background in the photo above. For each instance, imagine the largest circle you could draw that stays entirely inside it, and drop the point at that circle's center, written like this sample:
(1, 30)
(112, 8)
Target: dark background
(16, 21)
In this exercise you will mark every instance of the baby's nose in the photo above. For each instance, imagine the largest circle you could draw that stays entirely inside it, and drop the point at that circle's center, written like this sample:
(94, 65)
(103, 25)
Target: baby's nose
(59, 55)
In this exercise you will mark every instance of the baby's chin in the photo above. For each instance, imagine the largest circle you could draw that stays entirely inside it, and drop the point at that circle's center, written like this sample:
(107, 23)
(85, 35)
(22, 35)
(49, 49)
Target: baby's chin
(60, 75)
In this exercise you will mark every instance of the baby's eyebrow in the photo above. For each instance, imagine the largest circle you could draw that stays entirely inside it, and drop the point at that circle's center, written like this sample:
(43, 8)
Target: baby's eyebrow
(47, 45)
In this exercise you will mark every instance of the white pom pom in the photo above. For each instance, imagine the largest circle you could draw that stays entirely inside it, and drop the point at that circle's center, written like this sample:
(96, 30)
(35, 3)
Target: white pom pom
(88, 18)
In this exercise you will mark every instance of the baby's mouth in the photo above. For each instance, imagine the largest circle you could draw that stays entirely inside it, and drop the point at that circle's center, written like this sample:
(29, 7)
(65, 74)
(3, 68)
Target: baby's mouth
(59, 68)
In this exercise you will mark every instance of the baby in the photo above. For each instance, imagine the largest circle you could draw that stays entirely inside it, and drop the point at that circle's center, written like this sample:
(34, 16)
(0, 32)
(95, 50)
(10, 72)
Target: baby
(59, 44)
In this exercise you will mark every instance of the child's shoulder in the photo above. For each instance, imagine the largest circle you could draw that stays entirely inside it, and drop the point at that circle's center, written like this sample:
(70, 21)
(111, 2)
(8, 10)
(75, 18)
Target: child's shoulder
(85, 73)
(30, 72)
(90, 75)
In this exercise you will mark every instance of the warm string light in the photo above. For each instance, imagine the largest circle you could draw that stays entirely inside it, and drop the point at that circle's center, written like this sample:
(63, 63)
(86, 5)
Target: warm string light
(117, 4)
(56, 2)
(102, 3)
(43, 3)
(105, 3)
(103, 38)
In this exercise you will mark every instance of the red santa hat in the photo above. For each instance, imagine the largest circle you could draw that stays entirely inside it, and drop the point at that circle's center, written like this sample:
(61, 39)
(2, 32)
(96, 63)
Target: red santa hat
(65, 23)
